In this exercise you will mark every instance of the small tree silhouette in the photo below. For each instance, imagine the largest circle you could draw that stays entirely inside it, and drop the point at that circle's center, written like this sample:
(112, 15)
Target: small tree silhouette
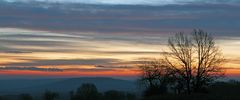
(25, 97)
(130, 96)
(156, 75)
(114, 95)
(48, 95)
(87, 91)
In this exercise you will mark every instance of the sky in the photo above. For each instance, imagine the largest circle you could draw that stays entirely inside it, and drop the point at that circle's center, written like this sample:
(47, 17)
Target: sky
(134, 2)
(72, 38)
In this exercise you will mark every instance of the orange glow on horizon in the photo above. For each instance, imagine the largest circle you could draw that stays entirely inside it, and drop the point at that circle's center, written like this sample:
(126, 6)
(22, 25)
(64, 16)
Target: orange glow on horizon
(71, 73)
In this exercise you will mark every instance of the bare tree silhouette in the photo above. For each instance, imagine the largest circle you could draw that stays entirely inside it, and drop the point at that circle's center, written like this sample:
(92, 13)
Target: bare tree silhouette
(181, 50)
(191, 65)
(156, 75)
(209, 60)
(195, 59)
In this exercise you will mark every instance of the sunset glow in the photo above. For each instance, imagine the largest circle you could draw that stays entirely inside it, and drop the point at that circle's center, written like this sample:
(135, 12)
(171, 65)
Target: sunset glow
(106, 40)
(84, 57)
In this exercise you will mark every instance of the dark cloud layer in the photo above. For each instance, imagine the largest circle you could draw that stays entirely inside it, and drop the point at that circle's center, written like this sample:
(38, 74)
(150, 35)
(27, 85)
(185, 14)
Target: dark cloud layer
(59, 62)
(221, 18)
(32, 69)
(131, 2)
(97, 69)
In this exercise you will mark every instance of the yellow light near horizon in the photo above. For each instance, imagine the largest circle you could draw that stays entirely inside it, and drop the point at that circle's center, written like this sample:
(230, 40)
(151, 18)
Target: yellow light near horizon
(124, 51)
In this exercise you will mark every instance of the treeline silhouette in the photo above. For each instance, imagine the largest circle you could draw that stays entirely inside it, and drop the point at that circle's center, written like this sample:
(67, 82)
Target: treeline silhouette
(90, 92)
(218, 91)
(86, 91)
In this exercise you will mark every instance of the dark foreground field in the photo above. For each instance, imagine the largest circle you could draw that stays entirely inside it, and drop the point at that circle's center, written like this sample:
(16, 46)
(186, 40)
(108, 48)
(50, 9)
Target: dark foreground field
(219, 91)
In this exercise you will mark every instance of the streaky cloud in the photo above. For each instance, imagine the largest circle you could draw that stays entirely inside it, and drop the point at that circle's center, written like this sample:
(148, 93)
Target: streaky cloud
(131, 2)
(58, 62)
(221, 18)
(32, 69)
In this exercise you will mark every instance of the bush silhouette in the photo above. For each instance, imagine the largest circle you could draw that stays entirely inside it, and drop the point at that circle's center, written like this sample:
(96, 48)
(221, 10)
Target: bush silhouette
(154, 90)
(114, 95)
(86, 91)
(48, 95)
(25, 97)
(130, 96)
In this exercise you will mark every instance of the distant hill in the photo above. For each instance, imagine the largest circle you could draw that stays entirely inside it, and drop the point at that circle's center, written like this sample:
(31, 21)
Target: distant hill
(64, 85)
